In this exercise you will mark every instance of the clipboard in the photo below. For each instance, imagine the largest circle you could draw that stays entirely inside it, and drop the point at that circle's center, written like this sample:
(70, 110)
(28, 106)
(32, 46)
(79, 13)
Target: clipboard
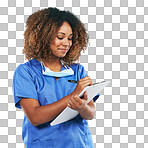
(68, 113)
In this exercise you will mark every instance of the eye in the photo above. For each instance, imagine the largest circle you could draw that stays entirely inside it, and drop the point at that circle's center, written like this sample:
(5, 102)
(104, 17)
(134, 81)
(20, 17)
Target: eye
(70, 39)
(60, 38)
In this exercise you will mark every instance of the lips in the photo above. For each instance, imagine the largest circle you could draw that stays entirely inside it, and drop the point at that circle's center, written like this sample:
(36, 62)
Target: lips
(63, 49)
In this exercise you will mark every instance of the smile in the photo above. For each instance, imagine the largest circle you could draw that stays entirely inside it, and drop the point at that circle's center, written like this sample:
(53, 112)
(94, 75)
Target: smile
(64, 50)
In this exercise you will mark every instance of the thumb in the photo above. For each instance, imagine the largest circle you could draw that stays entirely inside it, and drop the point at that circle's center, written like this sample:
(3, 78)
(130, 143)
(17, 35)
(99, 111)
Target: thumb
(85, 95)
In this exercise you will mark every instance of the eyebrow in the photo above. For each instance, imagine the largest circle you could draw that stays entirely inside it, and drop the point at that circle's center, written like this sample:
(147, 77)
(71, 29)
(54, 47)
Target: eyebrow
(63, 33)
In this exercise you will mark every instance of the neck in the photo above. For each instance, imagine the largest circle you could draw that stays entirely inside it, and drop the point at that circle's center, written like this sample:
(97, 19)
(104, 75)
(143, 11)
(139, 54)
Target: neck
(52, 64)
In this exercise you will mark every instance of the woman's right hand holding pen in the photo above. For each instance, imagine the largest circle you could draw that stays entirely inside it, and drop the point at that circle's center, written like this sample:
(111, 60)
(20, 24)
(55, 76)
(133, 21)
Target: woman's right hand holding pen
(86, 81)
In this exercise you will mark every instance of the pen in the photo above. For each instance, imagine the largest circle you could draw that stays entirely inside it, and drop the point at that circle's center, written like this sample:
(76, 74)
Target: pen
(99, 82)
(72, 81)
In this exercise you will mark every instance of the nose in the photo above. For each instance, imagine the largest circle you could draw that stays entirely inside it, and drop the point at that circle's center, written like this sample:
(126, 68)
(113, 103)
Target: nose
(66, 42)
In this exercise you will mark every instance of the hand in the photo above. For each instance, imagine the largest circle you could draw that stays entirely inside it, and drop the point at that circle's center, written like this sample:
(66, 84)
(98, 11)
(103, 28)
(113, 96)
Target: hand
(77, 103)
(81, 85)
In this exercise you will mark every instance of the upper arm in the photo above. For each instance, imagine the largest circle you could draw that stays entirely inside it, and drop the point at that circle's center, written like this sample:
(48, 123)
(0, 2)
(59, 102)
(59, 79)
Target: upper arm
(29, 106)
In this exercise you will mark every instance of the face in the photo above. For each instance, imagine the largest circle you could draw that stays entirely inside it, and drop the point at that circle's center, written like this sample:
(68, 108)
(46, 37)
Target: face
(62, 41)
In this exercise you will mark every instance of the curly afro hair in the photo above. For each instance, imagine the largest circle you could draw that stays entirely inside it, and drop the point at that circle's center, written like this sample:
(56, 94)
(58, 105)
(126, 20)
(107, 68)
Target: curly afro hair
(41, 28)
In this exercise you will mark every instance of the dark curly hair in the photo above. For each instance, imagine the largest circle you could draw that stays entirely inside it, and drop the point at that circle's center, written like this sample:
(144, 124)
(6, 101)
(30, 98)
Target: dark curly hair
(41, 28)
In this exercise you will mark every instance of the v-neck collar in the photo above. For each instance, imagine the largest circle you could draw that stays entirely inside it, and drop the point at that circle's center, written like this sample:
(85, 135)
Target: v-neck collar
(36, 63)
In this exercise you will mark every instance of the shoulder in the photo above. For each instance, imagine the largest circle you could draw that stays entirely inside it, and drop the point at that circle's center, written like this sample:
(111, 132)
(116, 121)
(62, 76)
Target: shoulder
(24, 69)
(20, 68)
(28, 65)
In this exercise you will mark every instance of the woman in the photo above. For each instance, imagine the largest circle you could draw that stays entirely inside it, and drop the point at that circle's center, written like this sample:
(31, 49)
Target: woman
(54, 40)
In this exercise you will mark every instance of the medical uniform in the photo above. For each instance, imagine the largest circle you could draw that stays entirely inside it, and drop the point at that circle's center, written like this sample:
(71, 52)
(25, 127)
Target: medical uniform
(29, 82)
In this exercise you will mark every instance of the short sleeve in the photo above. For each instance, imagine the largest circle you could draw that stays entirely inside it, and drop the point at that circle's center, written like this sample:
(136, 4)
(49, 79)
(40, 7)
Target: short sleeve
(23, 85)
(82, 71)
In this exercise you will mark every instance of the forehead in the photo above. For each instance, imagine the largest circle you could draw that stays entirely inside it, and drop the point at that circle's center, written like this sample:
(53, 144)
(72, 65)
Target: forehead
(65, 28)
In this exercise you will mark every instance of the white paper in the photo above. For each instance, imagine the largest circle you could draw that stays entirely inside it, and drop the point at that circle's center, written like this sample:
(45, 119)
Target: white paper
(69, 113)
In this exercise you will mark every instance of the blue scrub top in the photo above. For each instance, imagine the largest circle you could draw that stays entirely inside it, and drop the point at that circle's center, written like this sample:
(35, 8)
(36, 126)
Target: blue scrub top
(29, 82)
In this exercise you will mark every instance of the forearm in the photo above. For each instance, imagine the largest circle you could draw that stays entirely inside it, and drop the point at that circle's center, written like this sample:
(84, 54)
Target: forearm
(48, 112)
(41, 114)
(88, 112)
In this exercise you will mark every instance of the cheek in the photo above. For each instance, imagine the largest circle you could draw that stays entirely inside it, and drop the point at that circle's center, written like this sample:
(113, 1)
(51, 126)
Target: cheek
(57, 43)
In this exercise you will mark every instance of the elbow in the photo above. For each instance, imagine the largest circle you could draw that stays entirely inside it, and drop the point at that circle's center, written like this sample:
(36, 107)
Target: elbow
(92, 114)
(34, 122)
(91, 117)
(88, 118)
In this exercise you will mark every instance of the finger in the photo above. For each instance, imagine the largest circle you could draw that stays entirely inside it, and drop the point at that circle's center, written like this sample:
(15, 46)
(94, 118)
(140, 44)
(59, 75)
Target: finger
(75, 101)
(91, 83)
(85, 83)
(73, 104)
(78, 100)
(85, 78)
(70, 102)
(85, 96)
(69, 105)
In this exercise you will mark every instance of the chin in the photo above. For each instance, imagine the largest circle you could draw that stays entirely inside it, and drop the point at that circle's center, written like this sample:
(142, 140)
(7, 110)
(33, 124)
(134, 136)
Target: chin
(61, 55)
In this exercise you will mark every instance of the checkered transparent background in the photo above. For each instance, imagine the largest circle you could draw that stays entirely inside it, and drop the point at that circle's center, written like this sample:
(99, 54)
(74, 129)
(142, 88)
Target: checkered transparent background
(118, 51)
